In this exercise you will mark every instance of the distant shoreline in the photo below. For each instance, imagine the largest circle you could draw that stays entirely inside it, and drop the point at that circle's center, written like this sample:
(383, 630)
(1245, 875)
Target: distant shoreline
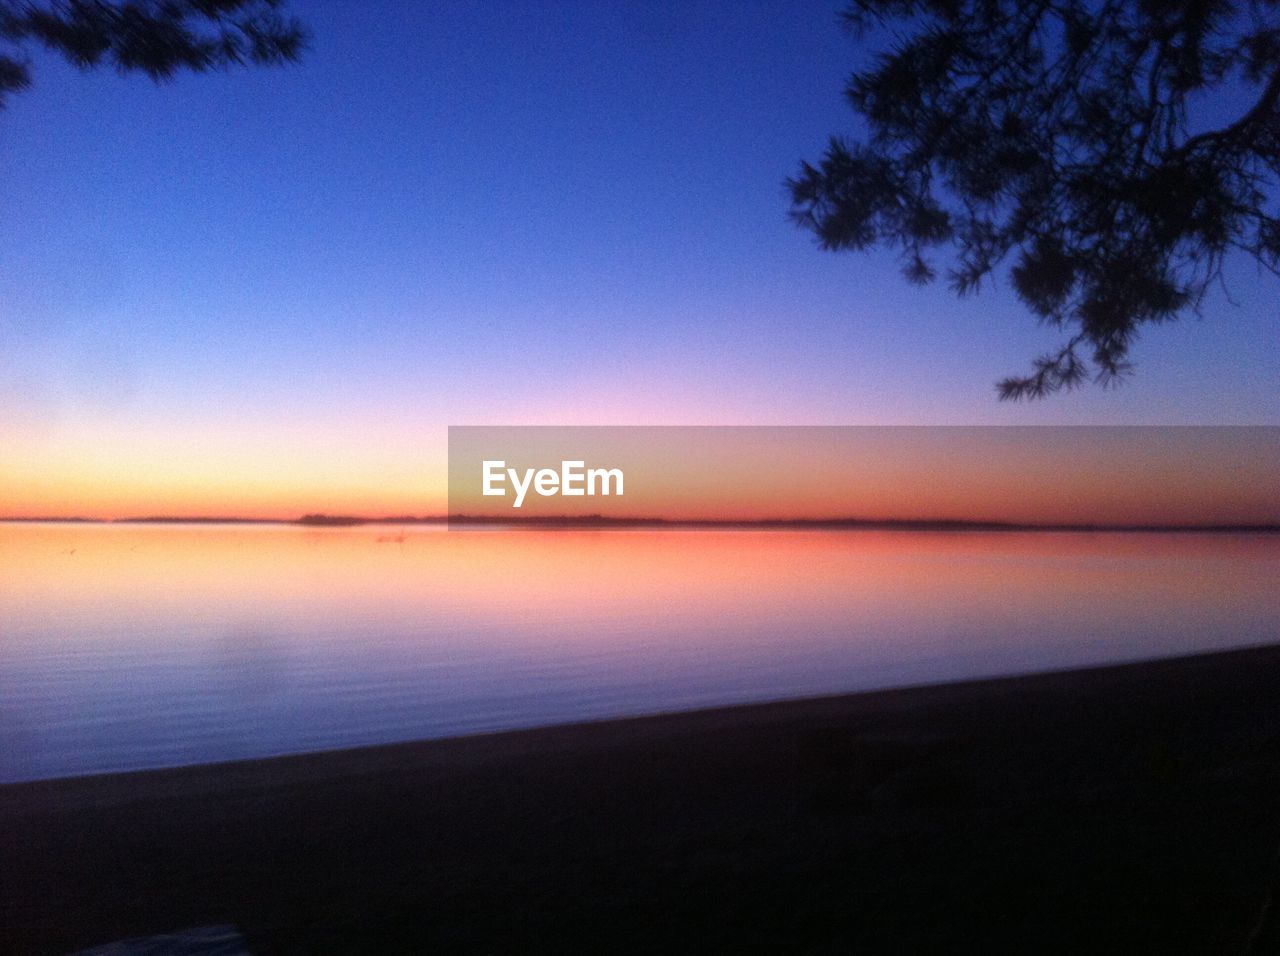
(602, 522)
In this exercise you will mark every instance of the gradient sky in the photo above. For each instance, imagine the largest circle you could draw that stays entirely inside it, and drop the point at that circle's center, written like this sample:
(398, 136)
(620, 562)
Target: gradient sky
(267, 292)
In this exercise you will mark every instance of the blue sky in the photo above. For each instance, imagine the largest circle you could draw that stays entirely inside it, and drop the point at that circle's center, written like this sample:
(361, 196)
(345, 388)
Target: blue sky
(508, 213)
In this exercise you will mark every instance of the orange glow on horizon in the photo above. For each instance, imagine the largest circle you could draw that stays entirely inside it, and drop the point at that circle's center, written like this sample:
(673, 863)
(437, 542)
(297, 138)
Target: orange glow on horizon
(1071, 476)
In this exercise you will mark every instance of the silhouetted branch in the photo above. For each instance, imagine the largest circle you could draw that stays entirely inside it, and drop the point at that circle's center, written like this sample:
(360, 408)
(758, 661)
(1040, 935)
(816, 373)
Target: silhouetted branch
(157, 37)
(1052, 136)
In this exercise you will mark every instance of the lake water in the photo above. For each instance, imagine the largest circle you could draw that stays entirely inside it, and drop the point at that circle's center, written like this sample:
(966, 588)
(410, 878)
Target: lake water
(127, 646)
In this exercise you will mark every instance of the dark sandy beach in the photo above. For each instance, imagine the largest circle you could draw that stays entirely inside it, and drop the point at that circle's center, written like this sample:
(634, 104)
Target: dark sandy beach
(1124, 809)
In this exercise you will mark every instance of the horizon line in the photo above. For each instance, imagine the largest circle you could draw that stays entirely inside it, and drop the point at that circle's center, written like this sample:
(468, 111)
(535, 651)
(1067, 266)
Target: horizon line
(604, 521)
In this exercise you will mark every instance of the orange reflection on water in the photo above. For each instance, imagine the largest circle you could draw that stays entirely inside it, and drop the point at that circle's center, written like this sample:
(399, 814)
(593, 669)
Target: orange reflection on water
(125, 646)
(516, 575)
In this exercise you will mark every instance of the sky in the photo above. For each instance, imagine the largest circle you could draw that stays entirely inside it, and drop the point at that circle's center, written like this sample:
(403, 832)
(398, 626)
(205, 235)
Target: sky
(266, 292)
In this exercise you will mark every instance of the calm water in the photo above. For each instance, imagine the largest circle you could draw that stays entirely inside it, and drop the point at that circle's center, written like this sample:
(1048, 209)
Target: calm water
(125, 647)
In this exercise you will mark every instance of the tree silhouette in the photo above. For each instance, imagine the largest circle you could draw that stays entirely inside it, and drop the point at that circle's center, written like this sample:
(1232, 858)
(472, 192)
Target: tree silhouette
(1067, 140)
(156, 37)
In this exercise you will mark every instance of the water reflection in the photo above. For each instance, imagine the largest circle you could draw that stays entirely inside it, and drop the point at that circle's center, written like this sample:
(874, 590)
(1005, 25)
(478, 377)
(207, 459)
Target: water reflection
(135, 646)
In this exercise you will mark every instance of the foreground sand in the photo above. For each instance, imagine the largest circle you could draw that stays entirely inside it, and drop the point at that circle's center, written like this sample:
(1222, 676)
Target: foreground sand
(1126, 809)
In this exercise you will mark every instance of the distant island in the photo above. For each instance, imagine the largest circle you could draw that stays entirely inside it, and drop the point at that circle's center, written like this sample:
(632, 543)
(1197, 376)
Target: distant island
(604, 522)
